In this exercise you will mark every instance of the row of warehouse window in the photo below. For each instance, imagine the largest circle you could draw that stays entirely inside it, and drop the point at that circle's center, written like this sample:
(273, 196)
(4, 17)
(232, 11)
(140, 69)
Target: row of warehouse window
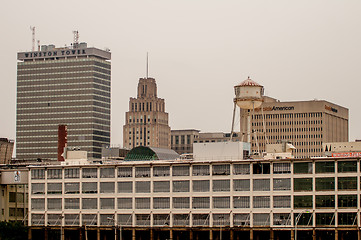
(321, 201)
(219, 219)
(279, 184)
(197, 170)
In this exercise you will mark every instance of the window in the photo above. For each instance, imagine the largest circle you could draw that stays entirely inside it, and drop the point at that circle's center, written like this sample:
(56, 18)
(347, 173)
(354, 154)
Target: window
(281, 168)
(38, 219)
(325, 184)
(37, 188)
(90, 172)
(107, 172)
(125, 219)
(303, 201)
(347, 183)
(261, 219)
(261, 184)
(241, 185)
(90, 219)
(125, 187)
(302, 168)
(180, 170)
(180, 186)
(223, 169)
(54, 174)
(142, 187)
(302, 184)
(107, 187)
(124, 172)
(346, 166)
(38, 204)
(221, 185)
(349, 218)
(325, 219)
(221, 202)
(54, 203)
(71, 173)
(161, 202)
(90, 187)
(261, 202)
(241, 202)
(181, 202)
(281, 201)
(54, 219)
(141, 172)
(71, 203)
(200, 170)
(200, 202)
(304, 220)
(325, 167)
(142, 203)
(161, 186)
(347, 201)
(241, 169)
(200, 185)
(241, 219)
(281, 184)
(325, 201)
(71, 188)
(54, 188)
(283, 219)
(200, 219)
(180, 220)
(161, 220)
(90, 203)
(125, 203)
(160, 171)
(107, 203)
(221, 219)
(71, 219)
(261, 168)
(106, 219)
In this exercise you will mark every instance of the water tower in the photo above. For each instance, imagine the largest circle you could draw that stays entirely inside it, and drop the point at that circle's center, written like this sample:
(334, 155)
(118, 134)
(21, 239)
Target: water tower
(249, 96)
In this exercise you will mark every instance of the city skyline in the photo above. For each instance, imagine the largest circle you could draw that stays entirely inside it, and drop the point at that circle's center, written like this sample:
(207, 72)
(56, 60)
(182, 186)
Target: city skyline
(297, 51)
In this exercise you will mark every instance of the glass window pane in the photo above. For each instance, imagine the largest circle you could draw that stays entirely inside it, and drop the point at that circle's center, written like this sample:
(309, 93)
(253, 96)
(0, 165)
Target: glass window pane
(281, 201)
(55, 188)
(107, 187)
(89, 187)
(221, 185)
(161, 186)
(325, 167)
(107, 172)
(200, 202)
(302, 168)
(125, 187)
(181, 202)
(90, 172)
(305, 219)
(89, 203)
(201, 186)
(281, 184)
(124, 172)
(241, 169)
(72, 188)
(261, 184)
(325, 184)
(325, 219)
(325, 201)
(71, 173)
(200, 170)
(180, 171)
(347, 183)
(347, 218)
(303, 202)
(141, 172)
(161, 171)
(346, 166)
(302, 184)
(223, 169)
(125, 203)
(261, 202)
(347, 201)
(241, 202)
(142, 187)
(221, 202)
(281, 168)
(181, 186)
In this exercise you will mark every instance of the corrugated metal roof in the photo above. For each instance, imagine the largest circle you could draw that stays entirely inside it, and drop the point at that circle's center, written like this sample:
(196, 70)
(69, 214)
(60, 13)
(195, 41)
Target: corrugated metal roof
(142, 153)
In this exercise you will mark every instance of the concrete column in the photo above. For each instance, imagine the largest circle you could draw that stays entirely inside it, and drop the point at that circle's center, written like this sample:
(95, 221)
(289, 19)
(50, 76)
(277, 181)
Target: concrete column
(314, 234)
(62, 236)
(292, 234)
(98, 233)
(29, 234)
(133, 234)
(358, 234)
(80, 234)
(151, 234)
(171, 234)
(190, 235)
(210, 235)
(45, 233)
(336, 234)
(231, 232)
(271, 235)
(251, 234)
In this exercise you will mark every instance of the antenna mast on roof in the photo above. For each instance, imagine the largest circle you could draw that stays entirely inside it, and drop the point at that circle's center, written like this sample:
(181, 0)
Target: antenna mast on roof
(32, 29)
(147, 66)
(76, 39)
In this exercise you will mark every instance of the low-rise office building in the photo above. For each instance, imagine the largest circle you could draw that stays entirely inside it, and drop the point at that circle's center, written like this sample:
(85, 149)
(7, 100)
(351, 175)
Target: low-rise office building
(278, 198)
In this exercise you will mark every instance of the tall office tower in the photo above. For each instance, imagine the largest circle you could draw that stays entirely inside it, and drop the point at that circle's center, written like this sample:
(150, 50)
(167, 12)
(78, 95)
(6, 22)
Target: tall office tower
(146, 121)
(6, 150)
(306, 124)
(62, 86)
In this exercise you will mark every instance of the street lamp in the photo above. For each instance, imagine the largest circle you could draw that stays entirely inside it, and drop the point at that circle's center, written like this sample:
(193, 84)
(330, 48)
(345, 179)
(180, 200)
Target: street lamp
(298, 219)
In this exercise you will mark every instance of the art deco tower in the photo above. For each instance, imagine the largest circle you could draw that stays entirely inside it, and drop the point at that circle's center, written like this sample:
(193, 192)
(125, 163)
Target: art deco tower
(146, 121)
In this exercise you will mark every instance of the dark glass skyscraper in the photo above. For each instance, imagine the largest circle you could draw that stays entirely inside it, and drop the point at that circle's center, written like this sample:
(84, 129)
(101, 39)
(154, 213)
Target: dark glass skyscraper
(62, 86)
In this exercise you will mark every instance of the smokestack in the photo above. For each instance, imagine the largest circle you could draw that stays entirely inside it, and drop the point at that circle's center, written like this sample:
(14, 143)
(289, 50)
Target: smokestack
(62, 141)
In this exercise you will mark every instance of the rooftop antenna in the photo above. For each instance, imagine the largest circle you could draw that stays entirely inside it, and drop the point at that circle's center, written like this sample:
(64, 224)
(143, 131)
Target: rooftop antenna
(147, 66)
(76, 39)
(32, 29)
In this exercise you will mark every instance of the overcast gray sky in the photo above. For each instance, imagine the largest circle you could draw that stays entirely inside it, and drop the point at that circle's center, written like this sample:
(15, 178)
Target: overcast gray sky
(199, 49)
